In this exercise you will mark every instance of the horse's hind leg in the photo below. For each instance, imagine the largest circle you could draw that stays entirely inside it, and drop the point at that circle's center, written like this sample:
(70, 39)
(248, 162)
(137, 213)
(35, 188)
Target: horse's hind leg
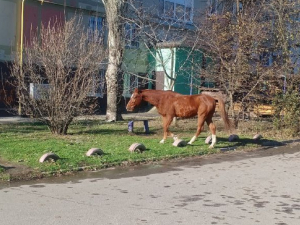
(212, 128)
(166, 123)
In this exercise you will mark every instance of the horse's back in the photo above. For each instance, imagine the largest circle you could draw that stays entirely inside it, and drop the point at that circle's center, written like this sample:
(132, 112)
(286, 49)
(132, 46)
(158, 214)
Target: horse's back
(175, 104)
(191, 105)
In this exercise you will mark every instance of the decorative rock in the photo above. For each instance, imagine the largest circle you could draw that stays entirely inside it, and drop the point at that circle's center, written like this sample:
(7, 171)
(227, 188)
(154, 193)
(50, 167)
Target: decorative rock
(48, 156)
(208, 140)
(179, 143)
(257, 137)
(94, 151)
(137, 147)
(233, 137)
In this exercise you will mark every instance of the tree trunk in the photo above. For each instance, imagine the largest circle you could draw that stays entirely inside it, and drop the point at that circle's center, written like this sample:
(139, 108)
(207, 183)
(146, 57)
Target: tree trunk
(115, 10)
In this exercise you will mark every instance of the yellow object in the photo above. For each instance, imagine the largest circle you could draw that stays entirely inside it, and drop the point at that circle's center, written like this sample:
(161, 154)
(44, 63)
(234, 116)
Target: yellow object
(264, 110)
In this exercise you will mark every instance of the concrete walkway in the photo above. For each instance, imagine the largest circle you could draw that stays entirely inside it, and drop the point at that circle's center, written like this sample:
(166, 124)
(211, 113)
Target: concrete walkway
(128, 116)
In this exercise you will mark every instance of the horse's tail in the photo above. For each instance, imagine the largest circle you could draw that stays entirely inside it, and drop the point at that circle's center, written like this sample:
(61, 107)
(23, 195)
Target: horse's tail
(228, 124)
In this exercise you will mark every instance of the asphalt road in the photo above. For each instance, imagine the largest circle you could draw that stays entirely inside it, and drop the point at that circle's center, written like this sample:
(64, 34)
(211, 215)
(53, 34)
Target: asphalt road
(260, 187)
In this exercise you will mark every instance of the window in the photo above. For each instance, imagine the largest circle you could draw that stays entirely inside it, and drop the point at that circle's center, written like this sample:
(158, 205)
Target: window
(179, 10)
(235, 7)
(98, 85)
(95, 27)
(39, 91)
(131, 39)
(213, 6)
(266, 58)
(42, 91)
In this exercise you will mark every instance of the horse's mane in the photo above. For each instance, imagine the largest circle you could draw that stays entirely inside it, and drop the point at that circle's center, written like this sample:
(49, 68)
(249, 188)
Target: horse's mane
(155, 92)
(153, 96)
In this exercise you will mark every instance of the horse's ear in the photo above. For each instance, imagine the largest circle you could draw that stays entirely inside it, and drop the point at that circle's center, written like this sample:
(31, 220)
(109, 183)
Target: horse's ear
(136, 91)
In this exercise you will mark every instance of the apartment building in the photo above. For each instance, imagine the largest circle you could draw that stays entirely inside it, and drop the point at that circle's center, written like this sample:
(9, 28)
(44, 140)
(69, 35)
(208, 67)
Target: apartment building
(18, 18)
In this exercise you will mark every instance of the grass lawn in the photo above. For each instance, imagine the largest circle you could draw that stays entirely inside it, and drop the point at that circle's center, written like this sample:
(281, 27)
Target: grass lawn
(25, 143)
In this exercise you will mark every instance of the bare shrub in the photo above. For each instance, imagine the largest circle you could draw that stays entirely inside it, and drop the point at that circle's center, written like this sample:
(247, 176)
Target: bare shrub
(58, 72)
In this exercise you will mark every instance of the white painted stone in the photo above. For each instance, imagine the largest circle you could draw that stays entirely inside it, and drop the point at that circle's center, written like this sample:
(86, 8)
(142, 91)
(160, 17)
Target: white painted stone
(137, 147)
(257, 137)
(179, 143)
(94, 151)
(48, 156)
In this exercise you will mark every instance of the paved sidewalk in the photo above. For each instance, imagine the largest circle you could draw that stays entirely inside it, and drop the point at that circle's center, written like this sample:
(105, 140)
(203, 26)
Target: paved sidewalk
(15, 119)
(249, 188)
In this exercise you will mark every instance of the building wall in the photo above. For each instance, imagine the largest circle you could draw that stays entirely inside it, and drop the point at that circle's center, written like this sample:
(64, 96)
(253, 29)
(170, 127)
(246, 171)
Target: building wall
(8, 28)
(156, 6)
(188, 77)
(35, 13)
(136, 60)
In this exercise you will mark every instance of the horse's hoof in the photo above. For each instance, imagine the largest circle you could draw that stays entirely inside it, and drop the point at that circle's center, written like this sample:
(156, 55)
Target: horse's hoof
(189, 143)
(162, 142)
(208, 140)
(211, 146)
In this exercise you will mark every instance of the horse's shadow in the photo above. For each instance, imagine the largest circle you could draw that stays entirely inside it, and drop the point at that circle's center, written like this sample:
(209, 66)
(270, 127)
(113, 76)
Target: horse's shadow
(224, 144)
(242, 142)
(5, 168)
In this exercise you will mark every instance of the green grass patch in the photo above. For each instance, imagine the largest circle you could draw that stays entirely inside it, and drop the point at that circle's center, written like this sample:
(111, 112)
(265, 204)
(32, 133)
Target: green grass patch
(25, 143)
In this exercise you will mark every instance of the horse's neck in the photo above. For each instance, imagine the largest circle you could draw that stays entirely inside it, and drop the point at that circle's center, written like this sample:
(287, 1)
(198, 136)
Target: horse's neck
(151, 96)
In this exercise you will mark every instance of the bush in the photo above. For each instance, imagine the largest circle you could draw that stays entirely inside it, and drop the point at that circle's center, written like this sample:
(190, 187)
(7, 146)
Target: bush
(287, 111)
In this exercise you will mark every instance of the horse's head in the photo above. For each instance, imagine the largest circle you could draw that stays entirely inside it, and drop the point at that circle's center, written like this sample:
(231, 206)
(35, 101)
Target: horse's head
(135, 100)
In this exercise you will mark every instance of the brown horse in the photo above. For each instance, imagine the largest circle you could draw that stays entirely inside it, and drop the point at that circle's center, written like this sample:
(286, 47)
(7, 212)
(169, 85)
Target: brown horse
(170, 104)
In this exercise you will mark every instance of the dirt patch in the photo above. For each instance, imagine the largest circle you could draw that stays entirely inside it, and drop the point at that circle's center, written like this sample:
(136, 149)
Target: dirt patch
(15, 171)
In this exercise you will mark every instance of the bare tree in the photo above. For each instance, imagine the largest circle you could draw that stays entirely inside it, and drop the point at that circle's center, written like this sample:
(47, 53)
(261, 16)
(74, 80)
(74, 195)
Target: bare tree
(162, 34)
(60, 70)
(235, 40)
(284, 15)
(115, 10)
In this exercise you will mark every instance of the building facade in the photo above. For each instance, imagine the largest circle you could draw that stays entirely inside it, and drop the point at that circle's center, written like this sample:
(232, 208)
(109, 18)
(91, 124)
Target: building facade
(19, 18)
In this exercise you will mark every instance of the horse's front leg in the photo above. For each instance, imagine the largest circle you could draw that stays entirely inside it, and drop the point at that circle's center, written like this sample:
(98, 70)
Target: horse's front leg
(201, 120)
(166, 123)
